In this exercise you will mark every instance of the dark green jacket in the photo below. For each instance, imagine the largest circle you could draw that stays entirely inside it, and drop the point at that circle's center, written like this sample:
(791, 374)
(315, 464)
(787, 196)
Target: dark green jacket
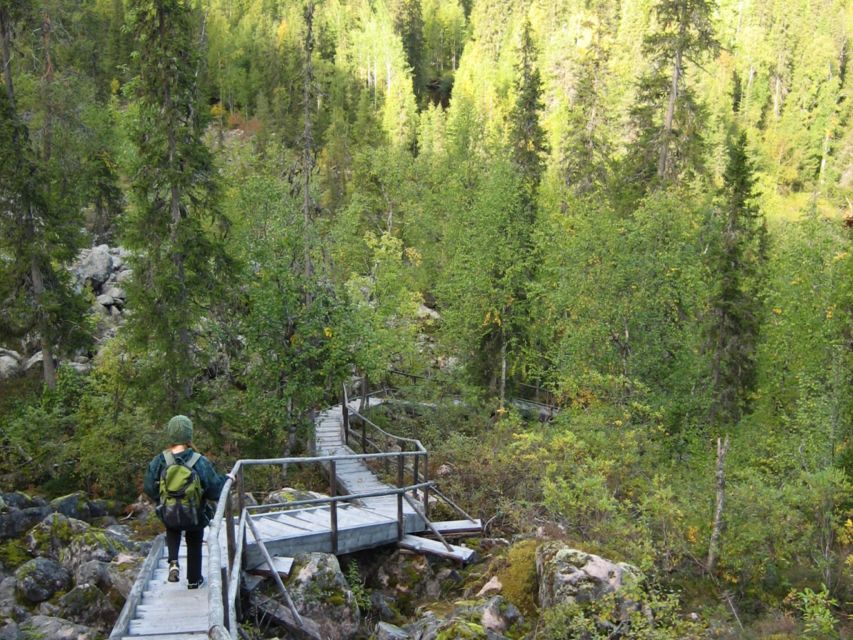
(210, 480)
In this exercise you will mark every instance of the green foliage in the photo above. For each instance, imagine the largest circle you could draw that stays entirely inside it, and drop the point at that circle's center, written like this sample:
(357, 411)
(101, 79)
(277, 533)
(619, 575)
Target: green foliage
(819, 621)
(356, 584)
(632, 614)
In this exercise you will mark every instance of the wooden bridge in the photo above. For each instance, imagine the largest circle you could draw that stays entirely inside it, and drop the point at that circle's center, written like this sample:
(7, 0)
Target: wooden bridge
(379, 495)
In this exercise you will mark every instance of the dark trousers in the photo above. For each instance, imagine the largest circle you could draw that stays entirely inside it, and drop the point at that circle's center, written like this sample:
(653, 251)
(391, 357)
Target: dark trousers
(194, 540)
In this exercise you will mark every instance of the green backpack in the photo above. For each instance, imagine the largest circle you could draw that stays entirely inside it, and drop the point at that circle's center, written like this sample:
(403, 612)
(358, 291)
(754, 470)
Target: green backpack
(181, 493)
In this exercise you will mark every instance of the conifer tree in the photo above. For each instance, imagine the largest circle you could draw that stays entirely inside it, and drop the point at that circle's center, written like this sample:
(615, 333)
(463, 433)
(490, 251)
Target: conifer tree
(526, 135)
(179, 262)
(668, 116)
(409, 24)
(736, 259)
(39, 227)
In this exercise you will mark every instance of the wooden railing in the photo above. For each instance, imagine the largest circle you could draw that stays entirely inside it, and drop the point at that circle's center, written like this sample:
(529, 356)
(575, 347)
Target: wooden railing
(410, 456)
(223, 602)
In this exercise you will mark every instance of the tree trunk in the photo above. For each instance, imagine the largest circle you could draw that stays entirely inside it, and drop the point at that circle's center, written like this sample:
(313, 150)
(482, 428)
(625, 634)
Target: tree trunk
(5, 37)
(47, 88)
(36, 275)
(714, 544)
(503, 370)
(307, 147)
(663, 159)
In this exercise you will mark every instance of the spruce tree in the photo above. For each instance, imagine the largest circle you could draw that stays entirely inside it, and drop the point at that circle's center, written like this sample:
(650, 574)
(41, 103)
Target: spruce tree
(526, 136)
(667, 115)
(180, 261)
(39, 224)
(736, 260)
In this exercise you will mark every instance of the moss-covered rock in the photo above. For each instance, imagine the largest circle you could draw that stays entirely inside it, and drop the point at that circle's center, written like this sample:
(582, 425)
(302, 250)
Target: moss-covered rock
(321, 593)
(13, 553)
(480, 618)
(74, 505)
(40, 578)
(409, 577)
(44, 627)
(72, 542)
(516, 572)
(85, 604)
(572, 576)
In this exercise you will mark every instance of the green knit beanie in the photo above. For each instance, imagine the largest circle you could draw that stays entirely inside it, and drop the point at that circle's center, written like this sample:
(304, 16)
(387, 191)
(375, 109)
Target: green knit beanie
(179, 430)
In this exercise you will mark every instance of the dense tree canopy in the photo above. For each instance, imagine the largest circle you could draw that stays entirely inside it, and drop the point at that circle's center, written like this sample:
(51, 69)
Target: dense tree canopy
(640, 209)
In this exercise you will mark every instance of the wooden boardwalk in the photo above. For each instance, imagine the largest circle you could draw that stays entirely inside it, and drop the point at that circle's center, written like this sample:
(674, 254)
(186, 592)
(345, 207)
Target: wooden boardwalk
(159, 610)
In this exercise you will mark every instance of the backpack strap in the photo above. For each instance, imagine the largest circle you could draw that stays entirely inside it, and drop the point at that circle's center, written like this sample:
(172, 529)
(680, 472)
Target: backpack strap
(170, 458)
(193, 459)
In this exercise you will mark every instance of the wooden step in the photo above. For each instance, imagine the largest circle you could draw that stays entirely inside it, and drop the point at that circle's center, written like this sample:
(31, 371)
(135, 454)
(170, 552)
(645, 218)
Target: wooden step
(434, 547)
(168, 636)
(282, 567)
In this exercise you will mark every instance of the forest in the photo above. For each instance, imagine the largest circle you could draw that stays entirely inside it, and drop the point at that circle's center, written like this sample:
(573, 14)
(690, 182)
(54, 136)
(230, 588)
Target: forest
(637, 212)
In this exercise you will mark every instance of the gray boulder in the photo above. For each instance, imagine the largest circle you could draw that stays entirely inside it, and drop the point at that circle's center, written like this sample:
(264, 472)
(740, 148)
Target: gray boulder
(57, 629)
(74, 505)
(117, 294)
(321, 593)
(569, 576)
(10, 631)
(105, 300)
(7, 596)
(124, 276)
(86, 604)
(15, 522)
(121, 573)
(40, 578)
(19, 500)
(96, 266)
(11, 353)
(9, 367)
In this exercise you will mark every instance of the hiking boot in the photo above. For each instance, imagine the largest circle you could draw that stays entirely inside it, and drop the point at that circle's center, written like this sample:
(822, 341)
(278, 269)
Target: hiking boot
(174, 571)
(195, 585)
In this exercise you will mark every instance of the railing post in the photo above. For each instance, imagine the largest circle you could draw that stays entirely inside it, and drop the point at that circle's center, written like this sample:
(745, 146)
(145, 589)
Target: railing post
(400, 461)
(363, 435)
(415, 472)
(229, 536)
(426, 489)
(345, 414)
(333, 506)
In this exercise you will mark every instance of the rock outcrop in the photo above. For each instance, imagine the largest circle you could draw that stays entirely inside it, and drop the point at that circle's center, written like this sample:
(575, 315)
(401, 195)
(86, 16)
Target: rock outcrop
(320, 592)
(572, 576)
(70, 578)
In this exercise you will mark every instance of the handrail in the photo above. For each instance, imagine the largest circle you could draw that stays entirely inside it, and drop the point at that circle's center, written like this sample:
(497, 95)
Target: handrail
(222, 623)
(417, 443)
(393, 491)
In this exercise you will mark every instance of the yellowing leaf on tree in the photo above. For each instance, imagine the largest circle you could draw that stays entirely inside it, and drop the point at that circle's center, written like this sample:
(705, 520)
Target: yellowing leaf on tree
(327, 331)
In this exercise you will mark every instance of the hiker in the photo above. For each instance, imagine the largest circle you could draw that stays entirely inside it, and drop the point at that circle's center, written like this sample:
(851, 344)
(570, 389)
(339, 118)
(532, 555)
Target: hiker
(182, 481)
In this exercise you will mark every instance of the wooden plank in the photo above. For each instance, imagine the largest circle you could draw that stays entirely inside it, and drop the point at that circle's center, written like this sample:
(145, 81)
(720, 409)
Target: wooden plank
(452, 527)
(167, 636)
(282, 567)
(434, 547)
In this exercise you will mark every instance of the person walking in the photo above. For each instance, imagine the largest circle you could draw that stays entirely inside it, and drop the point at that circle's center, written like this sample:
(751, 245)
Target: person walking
(182, 481)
